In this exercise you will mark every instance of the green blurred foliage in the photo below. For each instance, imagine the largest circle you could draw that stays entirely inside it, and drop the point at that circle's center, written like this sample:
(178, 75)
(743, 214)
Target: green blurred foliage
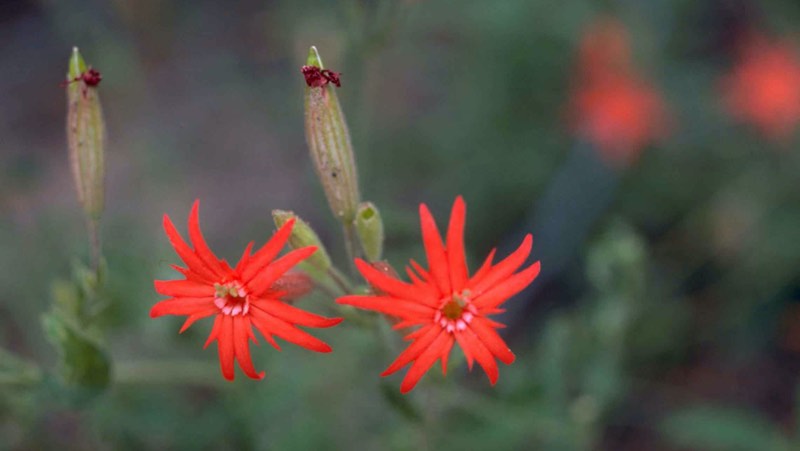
(673, 326)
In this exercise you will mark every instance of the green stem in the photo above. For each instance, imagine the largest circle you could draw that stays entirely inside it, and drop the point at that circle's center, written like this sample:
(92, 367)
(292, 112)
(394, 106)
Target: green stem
(327, 288)
(350, 244)
(341, 280)
(93, 227)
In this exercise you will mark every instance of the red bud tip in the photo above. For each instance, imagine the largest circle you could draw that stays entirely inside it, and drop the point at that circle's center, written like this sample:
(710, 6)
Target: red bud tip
(317, 78)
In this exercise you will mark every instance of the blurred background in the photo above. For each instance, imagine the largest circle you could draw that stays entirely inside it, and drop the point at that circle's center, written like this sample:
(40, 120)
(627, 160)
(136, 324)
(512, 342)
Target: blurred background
(649, 146)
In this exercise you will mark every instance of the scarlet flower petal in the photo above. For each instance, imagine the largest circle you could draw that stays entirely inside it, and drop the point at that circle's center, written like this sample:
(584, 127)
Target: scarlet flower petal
(484, 269)
(388, 305)
(392, 286)
(241, 335)
(225, 347)
(186, 253)
(437, 258)
(446, 354)
(268, 252)
(416, 334)
(294, 315)
(214, 331)
(424, 362)
(199, 243)
(181, 288)
(269, 324)
(270, 339)
(456, 259)
(245, 257)
(404, 324)
(189, 275)
(503, 269)
(496, 295)
(267, 276)
(423, 274)
(414, 349)
(181, 306)
(481, 353)
(198, 315)
(465, 349)
(492, 340)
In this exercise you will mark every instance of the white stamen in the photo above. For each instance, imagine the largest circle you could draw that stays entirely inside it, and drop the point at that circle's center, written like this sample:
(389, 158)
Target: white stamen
(236, 309)
(227, 309)
(450, 327)
(467, 317)
(461, 325)
(219, 302)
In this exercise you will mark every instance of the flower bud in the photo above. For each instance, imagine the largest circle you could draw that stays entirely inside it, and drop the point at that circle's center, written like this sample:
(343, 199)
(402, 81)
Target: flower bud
(303, 235)
(369, 227)
(329, 139)
(293, 285)
(86, 134)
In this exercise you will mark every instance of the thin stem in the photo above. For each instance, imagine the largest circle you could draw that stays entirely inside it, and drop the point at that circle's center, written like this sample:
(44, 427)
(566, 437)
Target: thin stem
(341, 280)
(328, 289)
(93, 227)
(350, 244)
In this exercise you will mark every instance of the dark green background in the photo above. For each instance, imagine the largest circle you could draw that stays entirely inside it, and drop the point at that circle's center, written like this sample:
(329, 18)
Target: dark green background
(666, 317)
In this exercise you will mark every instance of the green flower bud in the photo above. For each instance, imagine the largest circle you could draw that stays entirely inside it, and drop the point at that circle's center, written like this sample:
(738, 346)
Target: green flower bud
(86, 134)
(303, 235)
(369, 227)
(329, 139)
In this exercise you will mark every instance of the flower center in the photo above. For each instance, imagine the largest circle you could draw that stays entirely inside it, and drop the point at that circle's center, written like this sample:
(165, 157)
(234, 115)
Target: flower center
(456, 312)
(231, 298)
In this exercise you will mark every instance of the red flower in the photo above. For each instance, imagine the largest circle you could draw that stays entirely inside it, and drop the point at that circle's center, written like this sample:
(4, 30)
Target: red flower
(445, 303)
(247, 295)
(611, 106)
(764, 88)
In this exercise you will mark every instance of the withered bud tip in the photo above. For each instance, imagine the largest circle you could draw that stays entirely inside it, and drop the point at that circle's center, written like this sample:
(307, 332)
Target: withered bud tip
(92, 77)
(317, 78)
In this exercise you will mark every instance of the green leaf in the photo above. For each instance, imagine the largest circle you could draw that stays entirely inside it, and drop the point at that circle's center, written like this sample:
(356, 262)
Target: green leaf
(84, 364)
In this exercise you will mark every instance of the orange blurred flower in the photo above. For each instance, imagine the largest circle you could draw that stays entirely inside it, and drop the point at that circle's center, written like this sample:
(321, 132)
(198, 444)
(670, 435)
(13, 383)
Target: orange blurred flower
(611, 106)
(763, 89)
